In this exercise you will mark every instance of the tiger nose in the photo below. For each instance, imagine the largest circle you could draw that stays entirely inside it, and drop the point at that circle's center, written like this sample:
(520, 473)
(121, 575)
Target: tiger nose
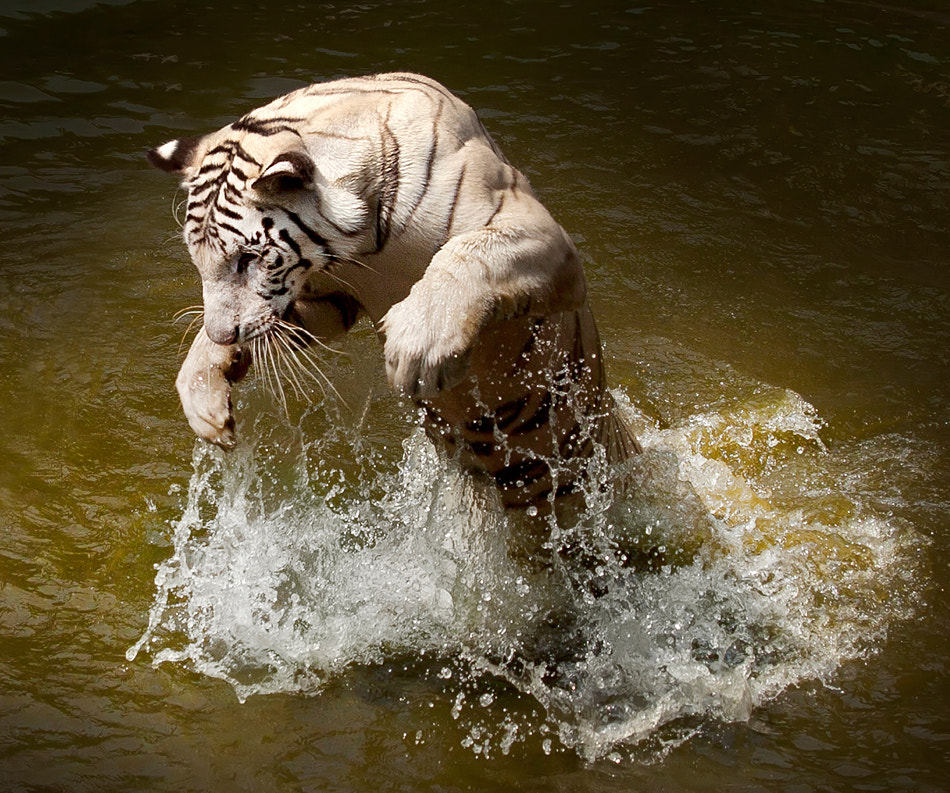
(224, 336)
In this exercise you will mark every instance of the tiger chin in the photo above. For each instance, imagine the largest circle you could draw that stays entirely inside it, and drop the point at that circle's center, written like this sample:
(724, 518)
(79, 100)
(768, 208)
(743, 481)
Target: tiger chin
(385, 197)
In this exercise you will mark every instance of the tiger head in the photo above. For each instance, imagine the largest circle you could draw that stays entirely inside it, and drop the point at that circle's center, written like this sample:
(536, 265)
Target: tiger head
(260, 221)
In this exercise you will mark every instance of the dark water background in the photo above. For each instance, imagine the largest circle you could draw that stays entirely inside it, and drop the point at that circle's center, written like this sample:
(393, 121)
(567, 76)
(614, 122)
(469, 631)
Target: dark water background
(761, 194)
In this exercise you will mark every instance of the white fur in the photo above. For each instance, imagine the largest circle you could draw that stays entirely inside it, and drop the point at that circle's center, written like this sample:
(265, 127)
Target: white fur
(432, 234)
(167, 150)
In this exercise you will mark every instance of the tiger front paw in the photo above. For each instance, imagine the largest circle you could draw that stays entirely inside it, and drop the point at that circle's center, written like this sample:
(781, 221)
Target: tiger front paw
(427, 347)
(206, 402)
(204, 387)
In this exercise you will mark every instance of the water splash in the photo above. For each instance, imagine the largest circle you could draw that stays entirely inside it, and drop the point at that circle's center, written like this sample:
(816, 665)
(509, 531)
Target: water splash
(745, 557)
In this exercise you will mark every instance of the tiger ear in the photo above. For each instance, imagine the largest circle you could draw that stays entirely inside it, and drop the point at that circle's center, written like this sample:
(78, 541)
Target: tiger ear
(292, 170)
(174, 156)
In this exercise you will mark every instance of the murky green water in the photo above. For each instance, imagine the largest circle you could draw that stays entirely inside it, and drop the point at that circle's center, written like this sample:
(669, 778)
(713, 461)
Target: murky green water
(761, 194)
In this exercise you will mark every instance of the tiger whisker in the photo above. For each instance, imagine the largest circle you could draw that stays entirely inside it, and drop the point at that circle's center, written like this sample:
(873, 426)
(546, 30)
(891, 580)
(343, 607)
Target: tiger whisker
(306, 361)
(275, 360)
(310, 366)
(294, 334)
(186, 311)
(281, 357)
(177, 206)
(355, 262)
(289, 366)
(184, 336)
(198, 315)
(340, 281)
(262, 352)
(310, 338)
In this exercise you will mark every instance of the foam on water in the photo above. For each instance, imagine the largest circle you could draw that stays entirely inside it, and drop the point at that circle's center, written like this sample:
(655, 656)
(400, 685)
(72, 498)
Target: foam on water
(744, 557)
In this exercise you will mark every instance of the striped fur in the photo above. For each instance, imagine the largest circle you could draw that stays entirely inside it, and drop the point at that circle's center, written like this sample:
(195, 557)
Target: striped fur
(384, 196)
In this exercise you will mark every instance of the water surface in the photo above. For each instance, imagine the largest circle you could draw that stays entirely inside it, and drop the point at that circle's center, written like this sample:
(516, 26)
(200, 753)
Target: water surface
(760, 194)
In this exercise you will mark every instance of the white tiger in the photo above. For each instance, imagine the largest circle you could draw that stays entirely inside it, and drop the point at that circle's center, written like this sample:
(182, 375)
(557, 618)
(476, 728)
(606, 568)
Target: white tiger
(384, 196)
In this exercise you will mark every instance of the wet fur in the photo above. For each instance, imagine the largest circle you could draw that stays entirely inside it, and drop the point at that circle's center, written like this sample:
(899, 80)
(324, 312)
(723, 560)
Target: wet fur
(384, 196)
